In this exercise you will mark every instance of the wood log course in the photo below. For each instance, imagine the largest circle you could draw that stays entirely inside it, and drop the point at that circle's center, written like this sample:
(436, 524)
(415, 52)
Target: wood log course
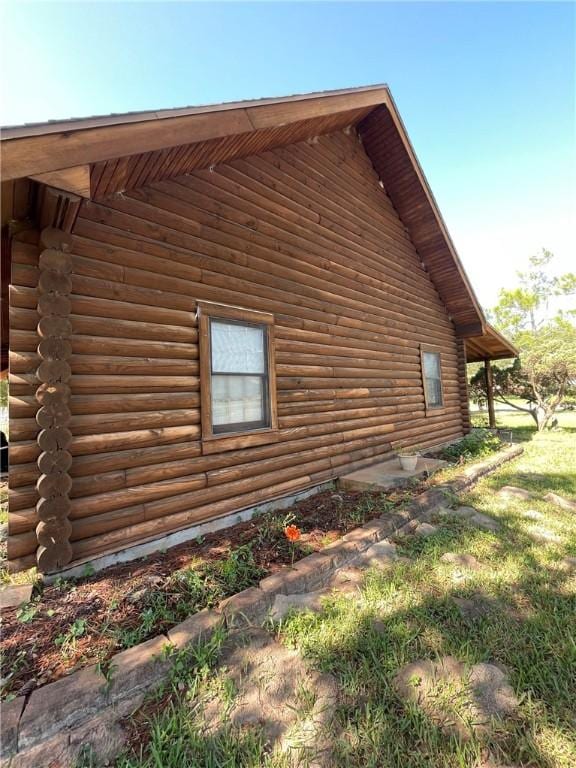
(54, 483)
(105, 392)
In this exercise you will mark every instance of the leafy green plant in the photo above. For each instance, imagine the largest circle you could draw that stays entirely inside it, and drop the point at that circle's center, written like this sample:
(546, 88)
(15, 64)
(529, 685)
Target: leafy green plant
(27, 612)
(478, 443)
(188, 591)
(365, 509)
(272, 524)
(67, 641)
(238, 571)
(64, 584)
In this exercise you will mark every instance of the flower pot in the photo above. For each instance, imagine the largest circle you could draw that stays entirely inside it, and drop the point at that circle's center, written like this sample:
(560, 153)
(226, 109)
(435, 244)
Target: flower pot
(408, 463)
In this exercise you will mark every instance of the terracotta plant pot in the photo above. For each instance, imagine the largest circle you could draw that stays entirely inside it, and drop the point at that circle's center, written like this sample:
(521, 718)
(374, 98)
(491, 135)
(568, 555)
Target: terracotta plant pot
(408, 463)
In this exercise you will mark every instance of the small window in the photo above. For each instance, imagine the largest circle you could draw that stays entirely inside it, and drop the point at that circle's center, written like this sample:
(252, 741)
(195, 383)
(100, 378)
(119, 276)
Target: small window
(239, 376)
(432, 378)
(236, 371)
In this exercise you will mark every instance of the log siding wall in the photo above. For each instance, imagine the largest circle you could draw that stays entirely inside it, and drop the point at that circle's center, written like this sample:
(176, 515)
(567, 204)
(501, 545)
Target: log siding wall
(306, 233)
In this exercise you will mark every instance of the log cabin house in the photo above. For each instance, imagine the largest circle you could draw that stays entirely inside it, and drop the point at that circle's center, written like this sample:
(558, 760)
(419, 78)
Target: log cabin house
(214, 307)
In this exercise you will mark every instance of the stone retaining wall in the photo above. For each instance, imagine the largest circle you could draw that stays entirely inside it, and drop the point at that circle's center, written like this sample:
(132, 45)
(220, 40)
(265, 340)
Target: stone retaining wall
(81, 712)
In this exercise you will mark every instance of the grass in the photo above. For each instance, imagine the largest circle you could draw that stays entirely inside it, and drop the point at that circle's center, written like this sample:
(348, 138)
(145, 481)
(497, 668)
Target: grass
(408, 614)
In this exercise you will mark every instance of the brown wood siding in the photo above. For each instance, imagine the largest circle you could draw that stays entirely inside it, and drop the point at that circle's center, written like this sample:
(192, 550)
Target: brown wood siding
(463, 380)
(413, 200)
(305, 232)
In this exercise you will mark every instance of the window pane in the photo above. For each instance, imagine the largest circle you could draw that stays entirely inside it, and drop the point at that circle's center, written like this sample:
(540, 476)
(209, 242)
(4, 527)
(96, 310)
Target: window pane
(431, 361)
(433, 392)
(237, 399)
(237, 348)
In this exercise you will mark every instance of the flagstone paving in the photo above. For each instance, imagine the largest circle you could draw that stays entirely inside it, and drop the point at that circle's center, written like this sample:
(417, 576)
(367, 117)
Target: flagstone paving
(15, 594)
(346, 581)
(299, 695)
(485, 522)
(544, 535)
(472, 515)
(560, 501)
(462, 701)
(475, 607)
(425, 529)
(263, 683)
(533, 514)
(461, 560)
(515, 492)
(383, 554)
(463, 513)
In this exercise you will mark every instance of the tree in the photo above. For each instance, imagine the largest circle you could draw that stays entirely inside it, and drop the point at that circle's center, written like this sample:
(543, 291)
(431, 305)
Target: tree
(546, 371)
(527, 307)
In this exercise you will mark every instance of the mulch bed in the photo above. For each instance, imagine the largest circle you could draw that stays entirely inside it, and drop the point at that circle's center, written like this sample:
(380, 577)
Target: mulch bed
(73, 624)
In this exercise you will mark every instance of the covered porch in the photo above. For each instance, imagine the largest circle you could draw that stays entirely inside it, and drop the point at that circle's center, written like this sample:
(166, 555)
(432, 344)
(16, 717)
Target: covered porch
(491, 345)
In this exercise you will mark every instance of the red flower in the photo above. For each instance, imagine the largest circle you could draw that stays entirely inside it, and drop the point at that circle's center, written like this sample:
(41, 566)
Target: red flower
(292, 533)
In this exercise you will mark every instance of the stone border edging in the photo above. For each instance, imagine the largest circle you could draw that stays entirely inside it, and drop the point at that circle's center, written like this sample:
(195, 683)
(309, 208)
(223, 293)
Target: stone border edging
(61, 717)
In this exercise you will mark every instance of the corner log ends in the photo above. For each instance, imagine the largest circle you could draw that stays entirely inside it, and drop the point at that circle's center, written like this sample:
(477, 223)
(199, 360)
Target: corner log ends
(53, 396)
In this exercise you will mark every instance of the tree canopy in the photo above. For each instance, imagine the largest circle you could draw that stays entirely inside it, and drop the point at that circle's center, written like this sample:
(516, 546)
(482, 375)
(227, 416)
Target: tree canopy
(546, 337)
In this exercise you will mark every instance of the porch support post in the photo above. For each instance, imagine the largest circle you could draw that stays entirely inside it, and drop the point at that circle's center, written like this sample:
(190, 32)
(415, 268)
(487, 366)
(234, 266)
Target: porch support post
(490, 393)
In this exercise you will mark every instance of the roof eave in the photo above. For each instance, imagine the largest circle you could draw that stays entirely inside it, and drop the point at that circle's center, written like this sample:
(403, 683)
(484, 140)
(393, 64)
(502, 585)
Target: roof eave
(56, 146)
(67, 151)
(492, 345)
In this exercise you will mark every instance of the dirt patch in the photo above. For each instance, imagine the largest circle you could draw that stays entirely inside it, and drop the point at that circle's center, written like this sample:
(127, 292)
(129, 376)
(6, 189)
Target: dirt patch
(73, 624)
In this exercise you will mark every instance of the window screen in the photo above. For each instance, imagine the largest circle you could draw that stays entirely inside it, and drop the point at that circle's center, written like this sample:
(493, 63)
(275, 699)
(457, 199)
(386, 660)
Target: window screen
(432, 379)
(239, 373)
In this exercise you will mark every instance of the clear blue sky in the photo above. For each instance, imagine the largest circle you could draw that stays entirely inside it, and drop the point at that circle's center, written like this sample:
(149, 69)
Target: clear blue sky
(487, 91)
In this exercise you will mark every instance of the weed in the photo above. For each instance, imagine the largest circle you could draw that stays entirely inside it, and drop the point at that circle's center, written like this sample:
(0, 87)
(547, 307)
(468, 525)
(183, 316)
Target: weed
(106, 669)
(193, 662)
(188, 591)
(86, 757)
(63, 585)
(67, 641)
(27, 612)
(238, 571)
(16, 664)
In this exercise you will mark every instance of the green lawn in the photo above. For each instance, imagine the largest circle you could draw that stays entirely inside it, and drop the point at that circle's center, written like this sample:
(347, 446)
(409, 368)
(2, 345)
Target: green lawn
(532, 633)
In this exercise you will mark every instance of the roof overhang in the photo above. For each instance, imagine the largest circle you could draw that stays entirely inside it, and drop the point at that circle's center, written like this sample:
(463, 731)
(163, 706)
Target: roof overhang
(490, 346)
(30, 150)
(100, 156)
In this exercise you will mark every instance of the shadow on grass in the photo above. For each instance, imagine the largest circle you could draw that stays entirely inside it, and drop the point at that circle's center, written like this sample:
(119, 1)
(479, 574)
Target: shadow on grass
(534, 645)
(541, 481)
(528, 631)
